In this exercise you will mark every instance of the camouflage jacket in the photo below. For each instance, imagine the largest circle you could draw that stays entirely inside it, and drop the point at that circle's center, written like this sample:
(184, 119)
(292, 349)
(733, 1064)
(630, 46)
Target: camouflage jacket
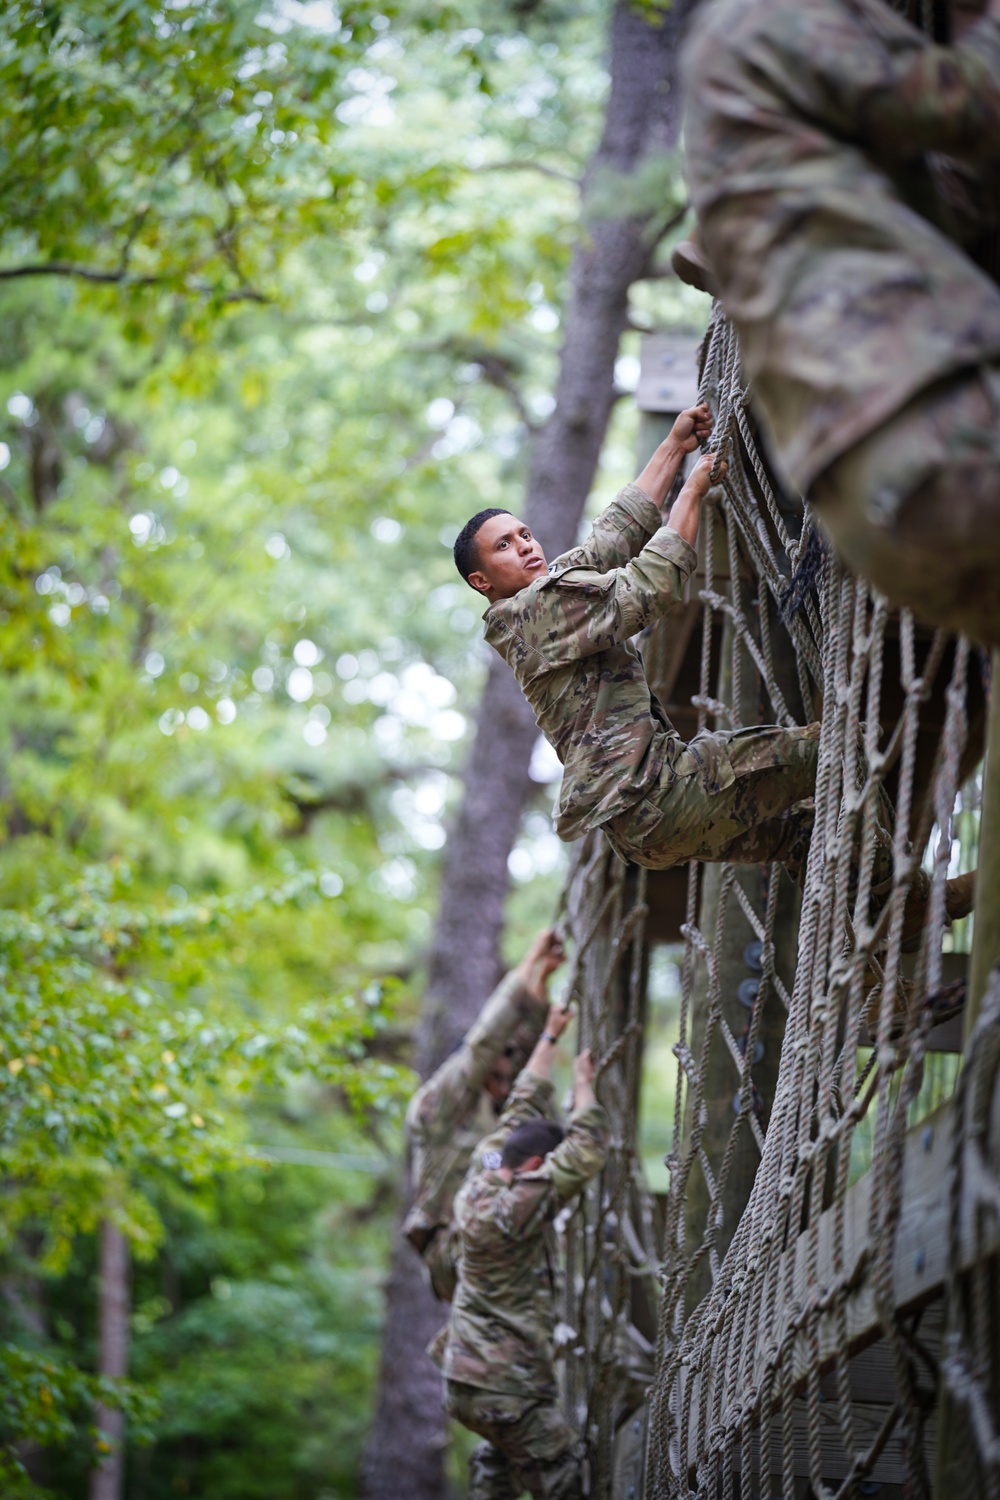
(567, 637)
(504, 1312)
(812, 131)
(451, 1113)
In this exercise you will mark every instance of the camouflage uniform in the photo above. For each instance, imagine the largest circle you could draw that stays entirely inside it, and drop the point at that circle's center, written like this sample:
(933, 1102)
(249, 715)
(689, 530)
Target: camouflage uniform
(567, 636)
(451, 1114)
(498, 1357)
(814, 131)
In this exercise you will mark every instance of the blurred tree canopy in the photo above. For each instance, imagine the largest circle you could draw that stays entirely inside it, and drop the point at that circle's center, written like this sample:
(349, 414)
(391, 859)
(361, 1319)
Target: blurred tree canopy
(281, 289)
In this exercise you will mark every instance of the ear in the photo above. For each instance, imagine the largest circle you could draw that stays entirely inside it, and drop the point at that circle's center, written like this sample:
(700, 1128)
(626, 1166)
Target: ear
(532, 1164)
(479, 582)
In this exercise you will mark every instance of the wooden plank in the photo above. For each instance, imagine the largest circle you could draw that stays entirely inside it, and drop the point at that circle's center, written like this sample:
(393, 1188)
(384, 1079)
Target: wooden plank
(921, 1250)
(630, 1456)
(872, 1373)
(666, 897)
(920, 1262)
(835, 1460)
(668, 372)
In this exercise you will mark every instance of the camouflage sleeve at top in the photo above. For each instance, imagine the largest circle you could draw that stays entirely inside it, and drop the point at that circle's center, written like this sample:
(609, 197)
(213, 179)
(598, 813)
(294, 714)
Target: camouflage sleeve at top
(582, 613)
(456, 1084)
(621, 530)
(908, 98)
(534, 1198)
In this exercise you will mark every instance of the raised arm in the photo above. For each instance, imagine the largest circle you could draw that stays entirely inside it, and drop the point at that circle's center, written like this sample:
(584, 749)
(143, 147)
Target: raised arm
(534, 1198)
(692, 427)
(583, 613)
(516, 1007)
(624, 528)
(531, 1096)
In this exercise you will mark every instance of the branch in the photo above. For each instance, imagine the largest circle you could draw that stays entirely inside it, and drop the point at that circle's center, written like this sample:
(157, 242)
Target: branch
(309, 800)
(653, 272)
(528, 166)
(496, 372)
(123, 278)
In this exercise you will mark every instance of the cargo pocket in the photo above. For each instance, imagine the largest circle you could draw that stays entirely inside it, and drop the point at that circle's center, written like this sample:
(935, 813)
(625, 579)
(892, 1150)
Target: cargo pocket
(630, 831)
(714, 767)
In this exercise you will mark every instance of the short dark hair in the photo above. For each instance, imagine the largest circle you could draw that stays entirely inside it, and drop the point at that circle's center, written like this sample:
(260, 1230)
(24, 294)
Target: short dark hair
(532, 1138)
(466, 551)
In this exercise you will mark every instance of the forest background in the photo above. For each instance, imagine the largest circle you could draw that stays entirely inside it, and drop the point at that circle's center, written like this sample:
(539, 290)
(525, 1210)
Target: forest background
(287, 292)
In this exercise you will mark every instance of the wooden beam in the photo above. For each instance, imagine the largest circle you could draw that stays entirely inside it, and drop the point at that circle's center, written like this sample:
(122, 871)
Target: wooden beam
(986, 931)
(920, 1262)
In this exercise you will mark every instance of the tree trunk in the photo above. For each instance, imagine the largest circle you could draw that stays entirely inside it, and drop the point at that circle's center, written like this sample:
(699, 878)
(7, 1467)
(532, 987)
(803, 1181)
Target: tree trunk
(107, 1480)
(21, 1291)
(406, 1446)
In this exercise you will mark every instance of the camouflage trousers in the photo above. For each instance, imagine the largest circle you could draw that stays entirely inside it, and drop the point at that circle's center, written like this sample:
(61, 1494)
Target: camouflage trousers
(915, 507)
(529, 1447)
(739, 796)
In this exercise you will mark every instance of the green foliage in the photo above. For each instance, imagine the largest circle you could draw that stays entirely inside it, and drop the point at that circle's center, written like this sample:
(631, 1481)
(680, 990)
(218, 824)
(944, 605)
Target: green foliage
(48, 1404)
(205, 130)
(107, 1083)
(236, 668)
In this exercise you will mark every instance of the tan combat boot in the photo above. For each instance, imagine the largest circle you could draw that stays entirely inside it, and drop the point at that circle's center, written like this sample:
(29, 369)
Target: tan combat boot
(958, 898)
(944, 1003)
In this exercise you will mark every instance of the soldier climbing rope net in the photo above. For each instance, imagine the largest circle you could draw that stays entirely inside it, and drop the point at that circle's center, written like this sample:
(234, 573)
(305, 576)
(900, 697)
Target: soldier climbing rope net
(715, 1342)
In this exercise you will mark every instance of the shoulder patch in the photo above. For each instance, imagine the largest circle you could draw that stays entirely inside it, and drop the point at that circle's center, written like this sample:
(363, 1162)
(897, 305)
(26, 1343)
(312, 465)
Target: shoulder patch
(491, 1160)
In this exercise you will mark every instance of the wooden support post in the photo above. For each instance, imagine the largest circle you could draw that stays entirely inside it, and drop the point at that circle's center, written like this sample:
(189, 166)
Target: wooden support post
(721, 1082)
(957, 1468)
(986, 931)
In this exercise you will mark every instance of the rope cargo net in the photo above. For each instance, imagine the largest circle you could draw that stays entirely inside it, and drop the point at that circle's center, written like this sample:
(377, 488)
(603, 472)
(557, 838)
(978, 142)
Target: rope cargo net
(757, 1301)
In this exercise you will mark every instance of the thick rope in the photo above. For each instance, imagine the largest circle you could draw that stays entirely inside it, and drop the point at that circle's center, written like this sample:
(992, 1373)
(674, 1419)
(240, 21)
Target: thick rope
(753, 1386)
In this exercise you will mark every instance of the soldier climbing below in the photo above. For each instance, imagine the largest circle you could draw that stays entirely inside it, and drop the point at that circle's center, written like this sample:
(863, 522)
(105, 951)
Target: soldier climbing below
(497, 1352)
(459, 1104)
(838, 161)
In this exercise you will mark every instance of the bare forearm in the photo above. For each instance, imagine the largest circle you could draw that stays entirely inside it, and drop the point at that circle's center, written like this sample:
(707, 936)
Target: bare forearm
(692, 427)
(540, 1062)
(660, 473)
(583, 1096)
(685, 514)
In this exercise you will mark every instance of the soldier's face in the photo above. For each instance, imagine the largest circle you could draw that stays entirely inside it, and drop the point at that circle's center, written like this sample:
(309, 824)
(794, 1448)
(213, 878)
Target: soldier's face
(499, 1081)
(509, 558)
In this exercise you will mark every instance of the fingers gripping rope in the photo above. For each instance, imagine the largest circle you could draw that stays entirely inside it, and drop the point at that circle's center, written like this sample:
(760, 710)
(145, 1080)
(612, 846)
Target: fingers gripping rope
(720, 352)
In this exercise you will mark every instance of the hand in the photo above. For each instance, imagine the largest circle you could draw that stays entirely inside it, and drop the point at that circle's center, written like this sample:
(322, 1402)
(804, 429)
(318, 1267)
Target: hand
(545, 954)
(700, 481)
(685, 513)
(583, 1070)
(557, 1020)
(692, 427)
(659, 474)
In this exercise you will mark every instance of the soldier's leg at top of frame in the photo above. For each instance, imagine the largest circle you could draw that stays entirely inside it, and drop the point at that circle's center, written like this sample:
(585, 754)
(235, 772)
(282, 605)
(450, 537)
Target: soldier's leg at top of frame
(720, 788)
(915, 507)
